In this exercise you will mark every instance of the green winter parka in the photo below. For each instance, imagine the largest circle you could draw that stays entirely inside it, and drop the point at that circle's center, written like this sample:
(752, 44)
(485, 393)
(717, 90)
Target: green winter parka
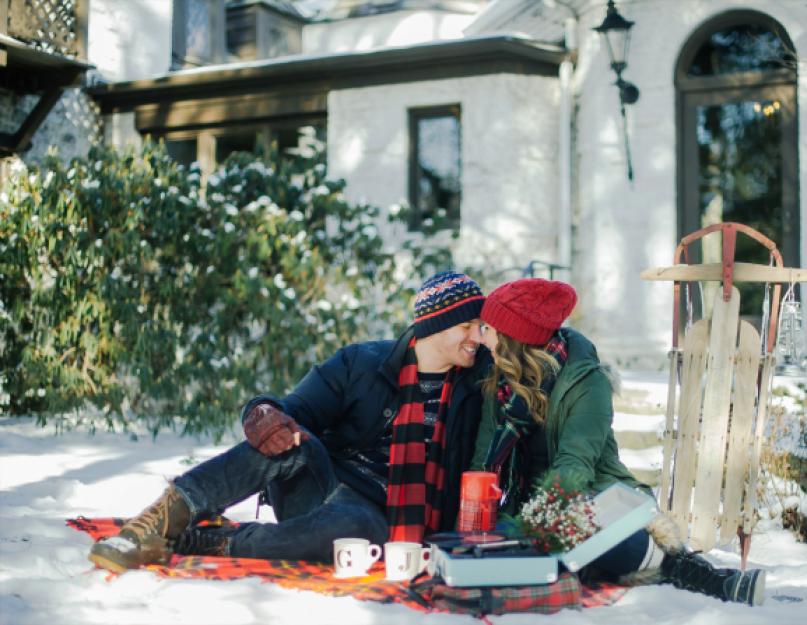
(579, 438)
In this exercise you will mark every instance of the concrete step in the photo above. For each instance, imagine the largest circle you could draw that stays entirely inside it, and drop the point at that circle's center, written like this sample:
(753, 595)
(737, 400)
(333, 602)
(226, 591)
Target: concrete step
(642, 393)
(644, 463)
(651, 478)
(639, 416)
(637, 402)
(637, 431)
(637, 440)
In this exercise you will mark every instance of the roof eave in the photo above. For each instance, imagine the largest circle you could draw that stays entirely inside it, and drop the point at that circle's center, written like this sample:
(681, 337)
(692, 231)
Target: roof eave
(301, 68)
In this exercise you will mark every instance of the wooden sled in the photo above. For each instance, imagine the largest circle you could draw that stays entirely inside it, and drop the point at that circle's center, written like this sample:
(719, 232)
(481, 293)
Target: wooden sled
(718, 395)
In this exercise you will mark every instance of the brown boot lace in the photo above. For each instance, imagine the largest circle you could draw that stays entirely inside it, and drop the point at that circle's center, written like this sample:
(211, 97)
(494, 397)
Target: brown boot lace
(167, 517)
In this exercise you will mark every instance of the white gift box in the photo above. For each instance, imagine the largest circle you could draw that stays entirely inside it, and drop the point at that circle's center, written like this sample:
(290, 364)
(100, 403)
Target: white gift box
(620, 511)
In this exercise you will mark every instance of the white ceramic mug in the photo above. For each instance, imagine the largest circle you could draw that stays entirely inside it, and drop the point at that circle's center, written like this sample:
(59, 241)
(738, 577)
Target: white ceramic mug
(353, 556)
(404, 560)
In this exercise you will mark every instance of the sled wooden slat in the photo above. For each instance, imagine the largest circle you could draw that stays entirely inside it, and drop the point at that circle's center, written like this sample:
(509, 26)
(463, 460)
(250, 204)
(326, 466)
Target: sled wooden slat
(746, 369)
(669, 429)
(685, 446)
(713, 272)
(714, 421)
(759, 430)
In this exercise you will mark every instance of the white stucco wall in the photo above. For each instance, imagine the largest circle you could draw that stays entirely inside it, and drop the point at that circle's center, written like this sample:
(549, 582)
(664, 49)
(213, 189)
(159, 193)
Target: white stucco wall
(623, 228)
(400, 28)
(130, 39)
(509, 165)
(120, 130)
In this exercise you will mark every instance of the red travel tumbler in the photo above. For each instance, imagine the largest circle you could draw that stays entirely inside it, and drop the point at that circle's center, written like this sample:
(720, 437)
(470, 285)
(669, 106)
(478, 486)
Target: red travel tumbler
(479, 501)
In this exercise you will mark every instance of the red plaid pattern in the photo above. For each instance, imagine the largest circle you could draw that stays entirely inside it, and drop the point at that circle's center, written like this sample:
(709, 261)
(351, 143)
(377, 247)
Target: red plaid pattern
(543, 599)
(416, 474)
(318, 578)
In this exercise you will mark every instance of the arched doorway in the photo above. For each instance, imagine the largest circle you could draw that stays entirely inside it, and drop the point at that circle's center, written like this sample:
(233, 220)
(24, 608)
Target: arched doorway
(737, 147)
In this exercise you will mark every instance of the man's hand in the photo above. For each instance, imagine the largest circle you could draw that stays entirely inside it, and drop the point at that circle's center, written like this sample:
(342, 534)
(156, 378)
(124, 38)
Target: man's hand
(271, 431)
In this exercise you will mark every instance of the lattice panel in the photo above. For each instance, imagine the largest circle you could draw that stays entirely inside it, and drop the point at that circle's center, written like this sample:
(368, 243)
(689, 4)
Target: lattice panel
(73, 126)
(48, 25)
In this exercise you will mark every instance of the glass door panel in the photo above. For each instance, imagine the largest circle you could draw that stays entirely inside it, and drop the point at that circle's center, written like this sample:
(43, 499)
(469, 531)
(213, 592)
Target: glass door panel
(740, 179)
(736, 169)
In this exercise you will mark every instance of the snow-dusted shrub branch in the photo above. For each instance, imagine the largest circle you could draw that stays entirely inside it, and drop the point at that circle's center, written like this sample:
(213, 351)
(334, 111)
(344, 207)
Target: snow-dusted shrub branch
(127, 288)
(781, 489)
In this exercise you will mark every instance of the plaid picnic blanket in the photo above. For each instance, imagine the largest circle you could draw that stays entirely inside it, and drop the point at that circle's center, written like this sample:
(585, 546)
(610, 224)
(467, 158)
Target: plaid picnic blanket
(316, 577)
(543, 599)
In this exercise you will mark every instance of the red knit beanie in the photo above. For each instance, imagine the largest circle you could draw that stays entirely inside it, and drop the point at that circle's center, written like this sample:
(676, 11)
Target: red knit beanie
(529, 310)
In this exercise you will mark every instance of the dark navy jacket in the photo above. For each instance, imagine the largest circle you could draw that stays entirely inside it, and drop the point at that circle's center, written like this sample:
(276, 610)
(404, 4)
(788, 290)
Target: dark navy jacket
(349, 400)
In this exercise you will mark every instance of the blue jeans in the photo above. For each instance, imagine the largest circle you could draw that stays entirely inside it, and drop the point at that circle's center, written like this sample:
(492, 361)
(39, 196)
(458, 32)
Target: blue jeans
(625, 557)
(313, 508)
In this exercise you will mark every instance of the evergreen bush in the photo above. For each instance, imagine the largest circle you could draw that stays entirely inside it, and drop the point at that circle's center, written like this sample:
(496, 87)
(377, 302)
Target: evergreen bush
(127, 286)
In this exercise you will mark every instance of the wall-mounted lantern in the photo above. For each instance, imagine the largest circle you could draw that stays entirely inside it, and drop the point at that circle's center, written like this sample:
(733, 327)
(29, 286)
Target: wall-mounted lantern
(615, 31)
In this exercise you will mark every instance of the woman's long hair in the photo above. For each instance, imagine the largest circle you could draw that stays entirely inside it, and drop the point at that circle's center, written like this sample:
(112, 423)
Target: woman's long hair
(523, 367)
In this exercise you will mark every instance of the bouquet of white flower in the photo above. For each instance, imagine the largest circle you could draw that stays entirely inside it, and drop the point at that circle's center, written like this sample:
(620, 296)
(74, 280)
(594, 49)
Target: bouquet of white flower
(557, 517)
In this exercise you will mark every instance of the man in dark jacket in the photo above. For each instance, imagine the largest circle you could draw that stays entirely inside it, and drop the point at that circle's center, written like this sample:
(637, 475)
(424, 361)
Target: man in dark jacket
(370, 444)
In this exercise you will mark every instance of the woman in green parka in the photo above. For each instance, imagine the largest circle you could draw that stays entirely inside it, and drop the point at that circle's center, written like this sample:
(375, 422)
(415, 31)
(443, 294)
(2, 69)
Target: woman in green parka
(548, 412)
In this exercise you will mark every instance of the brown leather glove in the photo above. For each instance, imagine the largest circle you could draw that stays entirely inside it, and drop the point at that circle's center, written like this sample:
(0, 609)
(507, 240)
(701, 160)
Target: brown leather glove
(272, 431)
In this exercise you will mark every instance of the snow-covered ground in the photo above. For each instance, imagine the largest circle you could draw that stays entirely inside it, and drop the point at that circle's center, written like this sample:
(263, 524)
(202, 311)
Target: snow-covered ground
(46, 579)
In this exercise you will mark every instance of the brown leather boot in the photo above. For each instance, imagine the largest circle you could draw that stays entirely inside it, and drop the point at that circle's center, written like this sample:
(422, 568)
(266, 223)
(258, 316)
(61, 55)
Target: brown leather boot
(144, 539)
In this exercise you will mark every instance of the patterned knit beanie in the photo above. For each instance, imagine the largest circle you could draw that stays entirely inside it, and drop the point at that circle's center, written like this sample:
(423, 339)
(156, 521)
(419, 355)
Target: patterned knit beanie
(445, 300)
(529, 310)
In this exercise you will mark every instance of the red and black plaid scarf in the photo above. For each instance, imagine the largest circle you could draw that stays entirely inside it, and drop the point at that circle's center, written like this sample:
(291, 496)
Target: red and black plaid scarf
(416, 474)
(516, 425)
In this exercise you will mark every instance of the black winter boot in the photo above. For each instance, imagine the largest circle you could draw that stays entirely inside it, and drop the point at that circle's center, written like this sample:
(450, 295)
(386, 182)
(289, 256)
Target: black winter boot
(690, 571)
(204, 541)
